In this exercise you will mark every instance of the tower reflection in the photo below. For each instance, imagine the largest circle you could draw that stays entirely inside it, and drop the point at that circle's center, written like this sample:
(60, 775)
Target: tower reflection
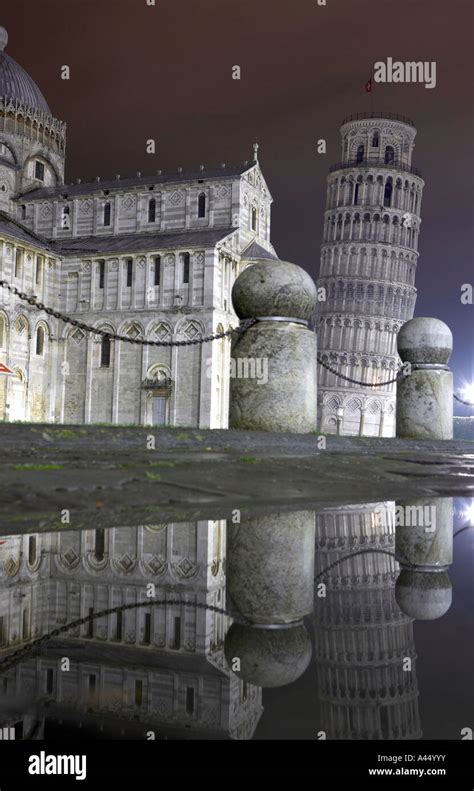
(362, 638)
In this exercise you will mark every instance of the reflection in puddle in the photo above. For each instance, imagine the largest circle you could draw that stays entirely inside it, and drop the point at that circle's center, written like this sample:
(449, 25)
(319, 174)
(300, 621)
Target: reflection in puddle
(187, 630)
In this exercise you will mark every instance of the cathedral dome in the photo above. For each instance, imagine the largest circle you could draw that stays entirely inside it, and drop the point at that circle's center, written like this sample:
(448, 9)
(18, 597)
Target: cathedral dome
(15, 83)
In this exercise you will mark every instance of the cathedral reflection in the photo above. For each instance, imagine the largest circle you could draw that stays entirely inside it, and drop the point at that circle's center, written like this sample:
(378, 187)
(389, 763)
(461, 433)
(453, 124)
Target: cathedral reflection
(236, 609)
(159, 667)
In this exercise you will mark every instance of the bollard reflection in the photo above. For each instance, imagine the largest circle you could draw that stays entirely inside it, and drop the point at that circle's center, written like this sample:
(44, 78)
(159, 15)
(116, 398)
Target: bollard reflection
(270, 570)
(424, 550)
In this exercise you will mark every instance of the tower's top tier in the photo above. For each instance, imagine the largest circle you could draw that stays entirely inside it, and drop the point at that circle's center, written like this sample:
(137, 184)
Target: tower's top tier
(373, 138)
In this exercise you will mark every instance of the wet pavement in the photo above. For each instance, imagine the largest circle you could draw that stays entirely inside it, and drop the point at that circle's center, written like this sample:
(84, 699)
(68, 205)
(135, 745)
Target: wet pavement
(120, 476)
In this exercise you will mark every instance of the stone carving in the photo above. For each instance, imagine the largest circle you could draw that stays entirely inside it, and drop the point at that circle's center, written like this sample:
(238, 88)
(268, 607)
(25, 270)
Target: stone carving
(162, 331)
(125, 563)
(133, 332)
(222, 192)
(85, 206)
(128, 202)
(78, 335)
(11, 566)
(20, 325)
(157, 565)
(177, 197)
(70, 559)
(184, 568)
(192, 330)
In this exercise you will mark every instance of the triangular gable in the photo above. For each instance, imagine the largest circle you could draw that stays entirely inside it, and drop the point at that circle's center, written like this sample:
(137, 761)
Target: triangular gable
(253, 173)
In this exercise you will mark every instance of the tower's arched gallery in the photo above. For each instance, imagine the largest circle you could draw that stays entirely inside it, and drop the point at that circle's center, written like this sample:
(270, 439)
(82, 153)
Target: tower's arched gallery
(368, 264)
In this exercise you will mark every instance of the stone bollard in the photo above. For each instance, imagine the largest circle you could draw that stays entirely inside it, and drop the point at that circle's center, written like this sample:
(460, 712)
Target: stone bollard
(425, 396)
(424, 550)
(270, 571)
(282, 296)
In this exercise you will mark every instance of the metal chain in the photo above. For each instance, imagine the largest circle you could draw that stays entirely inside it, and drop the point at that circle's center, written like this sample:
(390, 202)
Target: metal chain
(353, 555)
(244, 325)
(400, 375)
(20, 653)
(31, 300)
(15, 657)
(389, 552)
(466, 403)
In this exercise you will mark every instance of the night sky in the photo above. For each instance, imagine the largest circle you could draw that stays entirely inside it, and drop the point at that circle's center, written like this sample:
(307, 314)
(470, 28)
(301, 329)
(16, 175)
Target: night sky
(165, 72)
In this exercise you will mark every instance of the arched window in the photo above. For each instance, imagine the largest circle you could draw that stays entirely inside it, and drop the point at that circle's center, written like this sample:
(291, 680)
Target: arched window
(99, 544)
(105, 352)
(254, 218)
(360, 154)
(387, 197)
(107, 213)
(186, 259)
(32, 550)
(157, 270)
(202, 205)
(389, 155)
(18, 262)
(66, 218)
(23, 212)
(129, 272)
(350, 193)
(25, 629)
(39, 340)
(152, 210)
(39, 270)
(375, 140)
(39, 170)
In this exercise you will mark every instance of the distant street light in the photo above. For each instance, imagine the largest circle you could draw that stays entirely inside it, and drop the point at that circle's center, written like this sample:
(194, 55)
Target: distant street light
(468, 393)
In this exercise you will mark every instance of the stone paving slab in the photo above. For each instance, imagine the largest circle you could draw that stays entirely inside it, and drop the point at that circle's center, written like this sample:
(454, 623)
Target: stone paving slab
(108, 476)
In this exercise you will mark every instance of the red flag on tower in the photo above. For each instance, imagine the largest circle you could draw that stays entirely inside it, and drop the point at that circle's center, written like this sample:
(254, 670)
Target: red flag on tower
(4, 369)
(368, 86)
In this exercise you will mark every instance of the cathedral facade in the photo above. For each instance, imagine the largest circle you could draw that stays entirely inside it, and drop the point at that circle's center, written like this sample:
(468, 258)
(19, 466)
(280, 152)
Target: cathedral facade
(368, 263)
(149, 257)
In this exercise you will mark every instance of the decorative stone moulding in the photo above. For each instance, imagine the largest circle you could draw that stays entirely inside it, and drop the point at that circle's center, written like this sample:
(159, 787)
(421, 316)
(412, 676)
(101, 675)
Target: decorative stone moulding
(34, 120)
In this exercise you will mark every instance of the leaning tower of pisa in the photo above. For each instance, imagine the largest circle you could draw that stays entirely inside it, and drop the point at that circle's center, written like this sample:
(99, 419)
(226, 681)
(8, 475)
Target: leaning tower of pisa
(368, 263)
